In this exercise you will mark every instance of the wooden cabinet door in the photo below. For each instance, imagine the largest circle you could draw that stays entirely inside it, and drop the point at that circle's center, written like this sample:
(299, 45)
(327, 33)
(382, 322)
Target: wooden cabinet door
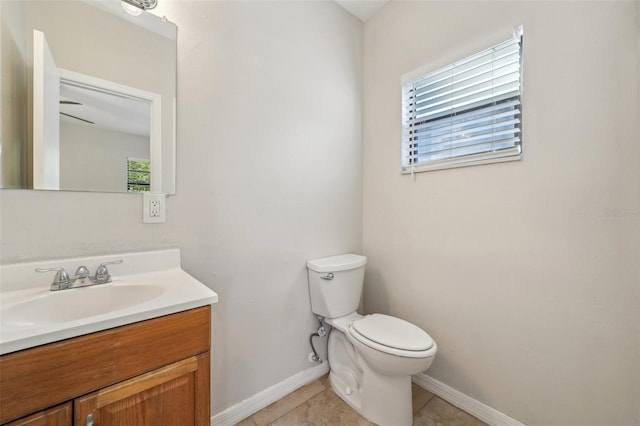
(177, 394)
(56, 416)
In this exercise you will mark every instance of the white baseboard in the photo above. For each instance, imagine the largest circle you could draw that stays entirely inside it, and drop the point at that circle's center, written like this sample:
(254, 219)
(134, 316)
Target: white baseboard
(257, 402)
(472, 406)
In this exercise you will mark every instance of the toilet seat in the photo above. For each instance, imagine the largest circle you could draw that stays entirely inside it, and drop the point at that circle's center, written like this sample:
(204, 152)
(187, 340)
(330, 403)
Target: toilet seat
(392, 335)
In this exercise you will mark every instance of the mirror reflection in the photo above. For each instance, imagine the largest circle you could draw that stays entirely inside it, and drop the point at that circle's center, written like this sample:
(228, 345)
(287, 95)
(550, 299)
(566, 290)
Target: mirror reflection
(94, 122)
(88, 105)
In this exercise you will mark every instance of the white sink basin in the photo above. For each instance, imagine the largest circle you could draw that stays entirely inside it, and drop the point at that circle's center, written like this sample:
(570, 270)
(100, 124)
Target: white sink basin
(145, 285)
(77, 304)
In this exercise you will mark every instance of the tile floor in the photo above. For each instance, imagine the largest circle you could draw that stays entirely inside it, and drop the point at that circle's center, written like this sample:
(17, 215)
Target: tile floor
(317, 405)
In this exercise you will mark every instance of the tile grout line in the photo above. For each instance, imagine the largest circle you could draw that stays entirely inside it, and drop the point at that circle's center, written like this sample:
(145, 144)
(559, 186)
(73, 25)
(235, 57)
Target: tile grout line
(435, 398)
(467, 404)
(425, 404)
(324, 388)
(302, 403)
(246, 408)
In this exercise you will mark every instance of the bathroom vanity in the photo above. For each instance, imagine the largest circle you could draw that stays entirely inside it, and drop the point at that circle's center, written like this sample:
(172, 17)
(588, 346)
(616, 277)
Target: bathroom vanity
(148, 373)
(144, 362)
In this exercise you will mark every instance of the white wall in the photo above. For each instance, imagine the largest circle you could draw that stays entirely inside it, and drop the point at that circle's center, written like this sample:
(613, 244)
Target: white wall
(269, 175)
(525, 273)
(95, 159)
(269, 172)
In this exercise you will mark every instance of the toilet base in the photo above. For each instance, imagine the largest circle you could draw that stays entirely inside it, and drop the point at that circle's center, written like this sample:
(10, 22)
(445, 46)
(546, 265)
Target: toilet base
(381, 399)
(386, 400)
(390, 408)
(348, 394)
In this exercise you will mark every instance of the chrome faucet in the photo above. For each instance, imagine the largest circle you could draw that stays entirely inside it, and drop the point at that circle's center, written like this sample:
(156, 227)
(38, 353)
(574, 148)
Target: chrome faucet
(63, 282)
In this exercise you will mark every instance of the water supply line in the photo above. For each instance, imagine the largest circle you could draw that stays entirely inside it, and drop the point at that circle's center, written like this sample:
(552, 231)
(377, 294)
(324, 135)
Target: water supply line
(314, 357)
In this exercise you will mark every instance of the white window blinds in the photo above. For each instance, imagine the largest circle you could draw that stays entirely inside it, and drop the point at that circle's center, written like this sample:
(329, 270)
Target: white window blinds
(466, 113)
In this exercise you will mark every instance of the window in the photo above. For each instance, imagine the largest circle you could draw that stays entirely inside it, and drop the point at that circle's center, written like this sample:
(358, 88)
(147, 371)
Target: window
(466, 113)
(138, 175)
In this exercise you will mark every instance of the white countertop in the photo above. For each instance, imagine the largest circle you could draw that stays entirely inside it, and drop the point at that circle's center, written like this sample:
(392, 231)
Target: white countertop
(154, 286)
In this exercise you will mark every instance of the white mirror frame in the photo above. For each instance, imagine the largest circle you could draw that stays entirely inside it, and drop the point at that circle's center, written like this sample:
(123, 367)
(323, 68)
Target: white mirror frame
(155, 125)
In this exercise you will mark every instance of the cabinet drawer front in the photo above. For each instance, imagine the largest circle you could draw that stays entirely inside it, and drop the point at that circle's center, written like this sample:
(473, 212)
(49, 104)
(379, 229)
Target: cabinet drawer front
(37, 378)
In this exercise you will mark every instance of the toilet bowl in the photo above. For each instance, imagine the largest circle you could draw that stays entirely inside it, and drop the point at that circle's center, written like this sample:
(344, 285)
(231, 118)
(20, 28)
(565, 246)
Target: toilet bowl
(371, 357)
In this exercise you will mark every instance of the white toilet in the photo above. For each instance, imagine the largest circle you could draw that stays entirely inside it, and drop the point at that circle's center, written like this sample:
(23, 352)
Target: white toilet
(372, 357)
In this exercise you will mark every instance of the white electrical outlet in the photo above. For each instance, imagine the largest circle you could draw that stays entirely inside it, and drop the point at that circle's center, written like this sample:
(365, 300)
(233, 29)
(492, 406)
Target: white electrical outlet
(153, 210)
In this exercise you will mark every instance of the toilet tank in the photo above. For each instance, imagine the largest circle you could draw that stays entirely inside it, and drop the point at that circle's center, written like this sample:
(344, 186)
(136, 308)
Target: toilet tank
(335, 284)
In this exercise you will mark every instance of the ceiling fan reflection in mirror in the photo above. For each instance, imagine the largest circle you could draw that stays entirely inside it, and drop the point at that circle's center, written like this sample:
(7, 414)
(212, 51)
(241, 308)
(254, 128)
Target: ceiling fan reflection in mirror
(63, 102)
(103, 105)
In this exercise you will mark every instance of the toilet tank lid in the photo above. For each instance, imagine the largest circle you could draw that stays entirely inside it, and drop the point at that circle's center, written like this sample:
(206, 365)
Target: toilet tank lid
(343, 262)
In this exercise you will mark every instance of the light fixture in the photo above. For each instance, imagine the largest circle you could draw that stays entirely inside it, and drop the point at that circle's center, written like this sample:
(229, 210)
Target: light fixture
(135, 7)
(131, 10)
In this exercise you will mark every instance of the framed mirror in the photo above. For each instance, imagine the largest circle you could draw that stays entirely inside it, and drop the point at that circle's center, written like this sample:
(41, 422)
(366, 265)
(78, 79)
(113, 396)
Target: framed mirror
(87, 97)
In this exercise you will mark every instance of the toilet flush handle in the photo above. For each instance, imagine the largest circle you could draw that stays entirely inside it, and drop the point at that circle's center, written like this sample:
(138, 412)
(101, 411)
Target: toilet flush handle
(329, 276)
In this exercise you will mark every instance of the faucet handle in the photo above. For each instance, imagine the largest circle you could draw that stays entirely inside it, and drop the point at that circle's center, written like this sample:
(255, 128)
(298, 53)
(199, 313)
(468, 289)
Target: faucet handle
(102, 273)
(61, 280)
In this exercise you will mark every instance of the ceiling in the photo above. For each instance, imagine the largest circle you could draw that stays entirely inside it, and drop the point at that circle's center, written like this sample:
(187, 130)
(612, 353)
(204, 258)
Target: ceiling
(108, 111)
(362, 9)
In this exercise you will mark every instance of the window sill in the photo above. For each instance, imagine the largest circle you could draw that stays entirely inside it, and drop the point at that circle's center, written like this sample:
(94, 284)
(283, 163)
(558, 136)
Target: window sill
(459, 162)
